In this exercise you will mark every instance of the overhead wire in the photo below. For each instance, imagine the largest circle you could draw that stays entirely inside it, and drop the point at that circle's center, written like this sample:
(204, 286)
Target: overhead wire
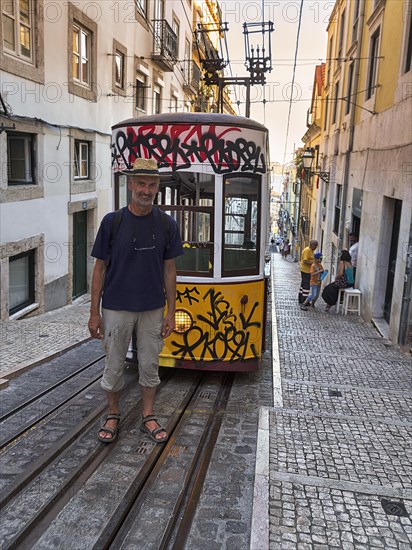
(293, 83)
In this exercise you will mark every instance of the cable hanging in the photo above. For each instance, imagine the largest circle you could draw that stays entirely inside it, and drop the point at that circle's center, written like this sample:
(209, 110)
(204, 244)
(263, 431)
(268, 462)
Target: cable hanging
(293, 83)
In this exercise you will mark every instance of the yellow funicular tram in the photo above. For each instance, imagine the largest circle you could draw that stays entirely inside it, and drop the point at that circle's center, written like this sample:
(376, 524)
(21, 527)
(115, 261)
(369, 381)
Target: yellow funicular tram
(214, 182)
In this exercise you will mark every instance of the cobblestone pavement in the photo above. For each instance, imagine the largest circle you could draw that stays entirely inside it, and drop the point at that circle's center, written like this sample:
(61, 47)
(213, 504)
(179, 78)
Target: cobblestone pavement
(27, 341)
(340, 446)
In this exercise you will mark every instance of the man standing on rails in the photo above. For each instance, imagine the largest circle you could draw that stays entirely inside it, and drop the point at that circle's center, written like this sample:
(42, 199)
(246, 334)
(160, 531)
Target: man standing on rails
(133, 277)
(306, 260)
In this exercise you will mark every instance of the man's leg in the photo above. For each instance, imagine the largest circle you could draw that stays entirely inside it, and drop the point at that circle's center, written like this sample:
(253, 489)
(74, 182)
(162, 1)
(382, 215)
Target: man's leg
(148, 399)
(304, 287)
(149, 345)
(113, 406)
(117, 330)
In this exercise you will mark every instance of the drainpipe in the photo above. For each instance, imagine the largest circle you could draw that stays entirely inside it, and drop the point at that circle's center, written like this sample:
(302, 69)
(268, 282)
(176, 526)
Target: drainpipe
(351, 123)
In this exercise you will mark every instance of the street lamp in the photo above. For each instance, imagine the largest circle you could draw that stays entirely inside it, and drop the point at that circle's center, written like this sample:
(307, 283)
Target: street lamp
(308, 157)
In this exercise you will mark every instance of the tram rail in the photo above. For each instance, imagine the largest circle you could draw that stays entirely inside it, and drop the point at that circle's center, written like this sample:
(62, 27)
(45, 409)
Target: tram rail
(32, 503)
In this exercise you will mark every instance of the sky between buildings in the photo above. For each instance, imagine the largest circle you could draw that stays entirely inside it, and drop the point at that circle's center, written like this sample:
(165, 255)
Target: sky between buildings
(278, 89)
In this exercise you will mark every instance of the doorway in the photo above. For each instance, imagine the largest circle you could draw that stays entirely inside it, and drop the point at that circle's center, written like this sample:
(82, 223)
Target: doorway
(397, 210)
(79, 253)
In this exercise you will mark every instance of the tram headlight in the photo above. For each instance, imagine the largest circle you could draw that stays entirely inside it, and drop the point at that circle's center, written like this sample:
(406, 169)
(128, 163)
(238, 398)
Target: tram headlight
(183, 321)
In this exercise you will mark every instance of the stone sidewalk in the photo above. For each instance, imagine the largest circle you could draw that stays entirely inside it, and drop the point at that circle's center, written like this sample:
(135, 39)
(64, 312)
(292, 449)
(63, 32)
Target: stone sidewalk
(340, 449)
(27, 341)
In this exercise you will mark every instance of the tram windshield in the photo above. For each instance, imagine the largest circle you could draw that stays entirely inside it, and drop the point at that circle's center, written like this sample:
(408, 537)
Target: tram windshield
(191, 198)
(241, 223)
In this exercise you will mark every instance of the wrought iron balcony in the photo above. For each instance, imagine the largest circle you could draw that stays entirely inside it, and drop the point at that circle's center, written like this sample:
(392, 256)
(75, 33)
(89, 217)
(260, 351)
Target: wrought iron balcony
(164, 45)
(191, 75)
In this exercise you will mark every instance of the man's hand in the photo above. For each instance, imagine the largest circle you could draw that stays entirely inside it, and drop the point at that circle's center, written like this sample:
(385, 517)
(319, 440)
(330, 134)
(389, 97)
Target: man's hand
(168, 325)
(96, 326)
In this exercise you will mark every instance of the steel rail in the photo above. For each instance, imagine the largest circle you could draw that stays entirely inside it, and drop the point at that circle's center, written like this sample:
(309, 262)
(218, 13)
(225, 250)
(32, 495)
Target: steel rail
(7, 440)
(49, 389)
(119, 527)
(34, 527)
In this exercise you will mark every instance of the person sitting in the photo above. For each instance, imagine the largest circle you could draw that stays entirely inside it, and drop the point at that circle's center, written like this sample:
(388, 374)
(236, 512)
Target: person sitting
(343, 279)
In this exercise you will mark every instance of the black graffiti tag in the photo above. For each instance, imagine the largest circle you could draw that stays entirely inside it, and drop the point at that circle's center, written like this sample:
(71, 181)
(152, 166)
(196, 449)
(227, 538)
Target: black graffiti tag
(221, 339)
(173, 150)
(188, 294)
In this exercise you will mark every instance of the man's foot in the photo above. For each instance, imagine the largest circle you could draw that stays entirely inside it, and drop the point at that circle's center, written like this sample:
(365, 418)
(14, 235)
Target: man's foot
(303, 307)
(108, 432)
(155, 431)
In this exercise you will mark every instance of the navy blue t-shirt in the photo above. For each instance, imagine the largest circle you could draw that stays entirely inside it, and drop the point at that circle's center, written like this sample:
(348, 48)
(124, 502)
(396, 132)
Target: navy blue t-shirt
(134, 277)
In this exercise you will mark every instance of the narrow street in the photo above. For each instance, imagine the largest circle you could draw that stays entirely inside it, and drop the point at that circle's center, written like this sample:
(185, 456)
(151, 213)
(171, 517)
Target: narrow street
(340, 434)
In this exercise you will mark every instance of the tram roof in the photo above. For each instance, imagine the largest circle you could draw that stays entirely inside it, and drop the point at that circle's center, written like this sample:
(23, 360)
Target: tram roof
(193, 118)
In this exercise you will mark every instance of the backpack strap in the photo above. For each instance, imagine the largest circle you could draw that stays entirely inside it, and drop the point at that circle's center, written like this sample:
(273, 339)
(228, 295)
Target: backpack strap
(117, 218)
(166, 225)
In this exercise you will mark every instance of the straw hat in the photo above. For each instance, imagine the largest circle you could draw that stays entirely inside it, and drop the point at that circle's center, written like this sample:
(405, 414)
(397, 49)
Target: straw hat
(143, 167)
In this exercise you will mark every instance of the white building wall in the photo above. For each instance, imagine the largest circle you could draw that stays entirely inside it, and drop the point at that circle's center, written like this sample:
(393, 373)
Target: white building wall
(55, 115)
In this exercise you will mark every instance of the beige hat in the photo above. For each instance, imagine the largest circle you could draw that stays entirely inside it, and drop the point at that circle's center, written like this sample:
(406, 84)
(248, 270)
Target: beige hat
(143, 167)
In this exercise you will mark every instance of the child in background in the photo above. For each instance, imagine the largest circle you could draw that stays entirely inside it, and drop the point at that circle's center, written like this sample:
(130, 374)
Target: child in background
(316, 269)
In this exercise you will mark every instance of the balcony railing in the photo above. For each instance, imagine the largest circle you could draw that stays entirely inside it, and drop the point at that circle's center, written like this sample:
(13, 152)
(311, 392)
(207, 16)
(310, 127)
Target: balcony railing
(191, 75)
(164, 45)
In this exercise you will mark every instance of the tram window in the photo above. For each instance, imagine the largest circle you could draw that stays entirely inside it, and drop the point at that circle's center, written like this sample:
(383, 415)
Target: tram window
(189, 198)
(241, 225)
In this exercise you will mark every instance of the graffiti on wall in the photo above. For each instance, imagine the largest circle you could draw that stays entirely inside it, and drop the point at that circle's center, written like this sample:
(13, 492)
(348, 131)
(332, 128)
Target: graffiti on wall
(178, 147)
(218, 333)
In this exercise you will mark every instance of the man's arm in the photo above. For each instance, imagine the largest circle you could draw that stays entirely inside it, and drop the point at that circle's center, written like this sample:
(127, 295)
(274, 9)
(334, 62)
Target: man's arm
(95, 320)
(169, 275)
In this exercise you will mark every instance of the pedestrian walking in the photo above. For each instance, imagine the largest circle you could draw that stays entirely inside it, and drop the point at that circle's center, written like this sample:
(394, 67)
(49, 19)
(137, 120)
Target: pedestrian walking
(134, 276)
(306, 260)
(285, 249)
(316, 270)
(272, 246)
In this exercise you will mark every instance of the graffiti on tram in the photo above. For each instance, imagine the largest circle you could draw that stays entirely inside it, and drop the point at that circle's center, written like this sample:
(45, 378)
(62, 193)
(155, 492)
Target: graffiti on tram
(219, 333)
(178, 147)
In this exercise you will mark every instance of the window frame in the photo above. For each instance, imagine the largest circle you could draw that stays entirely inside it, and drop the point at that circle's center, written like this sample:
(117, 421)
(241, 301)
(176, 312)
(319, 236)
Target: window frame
(337, 209)
(351, 72)
(341, 36)
(30, 254)
(335, 103)
(157, 99)
(119, 87)
(119, 70)
(82, 56)
(140, 92)
(29, 141)
(17, 18)
(326, 114)
(78, 160)
(247, 271)
(33, 68)
(407, 46)
(86, 90)
(141, 6)
(355, 20)
(372, 72)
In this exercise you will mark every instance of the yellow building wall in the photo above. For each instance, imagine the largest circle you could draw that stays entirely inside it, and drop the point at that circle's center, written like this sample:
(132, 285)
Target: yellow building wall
(389, 55)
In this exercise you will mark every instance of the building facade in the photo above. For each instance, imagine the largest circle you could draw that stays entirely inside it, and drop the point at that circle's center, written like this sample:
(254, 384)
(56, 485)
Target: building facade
(312, 211)
(69, 71)
(366, 147)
